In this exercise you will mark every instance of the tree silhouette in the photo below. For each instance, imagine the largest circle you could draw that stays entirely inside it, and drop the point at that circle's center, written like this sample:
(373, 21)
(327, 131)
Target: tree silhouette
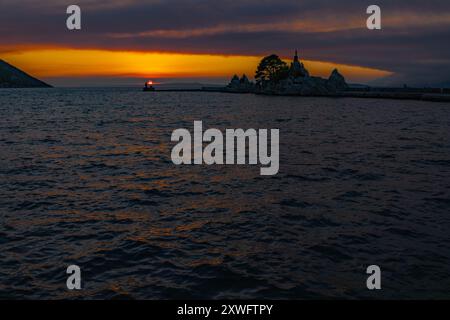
(271, 69)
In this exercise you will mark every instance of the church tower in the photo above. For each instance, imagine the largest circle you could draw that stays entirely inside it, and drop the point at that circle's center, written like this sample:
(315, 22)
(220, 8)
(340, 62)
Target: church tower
(297, 68)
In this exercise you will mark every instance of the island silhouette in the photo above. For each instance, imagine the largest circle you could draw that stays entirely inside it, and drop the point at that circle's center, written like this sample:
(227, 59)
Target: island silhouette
(273, 76)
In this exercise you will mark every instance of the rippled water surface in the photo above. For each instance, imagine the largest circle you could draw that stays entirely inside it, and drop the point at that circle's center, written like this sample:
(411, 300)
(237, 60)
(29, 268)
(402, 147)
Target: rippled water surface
(86, 178)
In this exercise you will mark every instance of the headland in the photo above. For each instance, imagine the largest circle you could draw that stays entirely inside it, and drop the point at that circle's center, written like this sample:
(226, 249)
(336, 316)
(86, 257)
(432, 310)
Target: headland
(12, 77)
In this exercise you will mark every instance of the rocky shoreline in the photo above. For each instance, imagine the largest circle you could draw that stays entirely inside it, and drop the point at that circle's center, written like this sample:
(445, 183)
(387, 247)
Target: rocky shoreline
(397, 95)
(346, 94)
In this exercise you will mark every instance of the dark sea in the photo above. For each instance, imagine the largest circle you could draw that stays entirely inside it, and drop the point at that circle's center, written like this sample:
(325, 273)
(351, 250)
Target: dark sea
(86, 178)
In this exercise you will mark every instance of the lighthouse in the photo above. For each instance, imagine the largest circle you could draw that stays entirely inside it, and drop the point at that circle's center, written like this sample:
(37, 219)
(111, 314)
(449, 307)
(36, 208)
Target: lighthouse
(149, 86)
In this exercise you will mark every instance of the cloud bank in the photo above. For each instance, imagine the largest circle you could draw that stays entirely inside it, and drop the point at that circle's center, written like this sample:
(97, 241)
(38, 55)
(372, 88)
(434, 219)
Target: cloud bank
(413, 42)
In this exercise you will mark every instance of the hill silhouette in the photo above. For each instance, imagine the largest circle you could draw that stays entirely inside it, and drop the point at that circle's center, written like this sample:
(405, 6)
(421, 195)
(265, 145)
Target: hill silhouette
(12, 77)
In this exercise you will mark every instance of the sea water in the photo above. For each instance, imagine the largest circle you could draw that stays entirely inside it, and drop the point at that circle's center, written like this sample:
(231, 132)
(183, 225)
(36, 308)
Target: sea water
(86, 178)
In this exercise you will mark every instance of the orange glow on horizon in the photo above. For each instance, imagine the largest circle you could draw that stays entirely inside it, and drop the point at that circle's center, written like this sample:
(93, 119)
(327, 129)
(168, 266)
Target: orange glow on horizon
(59, 62)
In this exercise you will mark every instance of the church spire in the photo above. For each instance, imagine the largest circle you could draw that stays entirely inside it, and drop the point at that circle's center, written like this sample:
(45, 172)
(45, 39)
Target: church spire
(296, 55)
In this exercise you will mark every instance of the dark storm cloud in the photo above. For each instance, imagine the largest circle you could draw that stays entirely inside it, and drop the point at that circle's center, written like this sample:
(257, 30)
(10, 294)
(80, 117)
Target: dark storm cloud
(413, 42)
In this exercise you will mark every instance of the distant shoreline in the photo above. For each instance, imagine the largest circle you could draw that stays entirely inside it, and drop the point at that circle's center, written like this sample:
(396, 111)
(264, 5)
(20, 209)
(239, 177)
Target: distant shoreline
(398, 95)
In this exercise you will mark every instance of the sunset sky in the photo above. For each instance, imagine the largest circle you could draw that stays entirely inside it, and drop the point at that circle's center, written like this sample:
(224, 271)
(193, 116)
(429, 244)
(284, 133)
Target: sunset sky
(122, 42)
